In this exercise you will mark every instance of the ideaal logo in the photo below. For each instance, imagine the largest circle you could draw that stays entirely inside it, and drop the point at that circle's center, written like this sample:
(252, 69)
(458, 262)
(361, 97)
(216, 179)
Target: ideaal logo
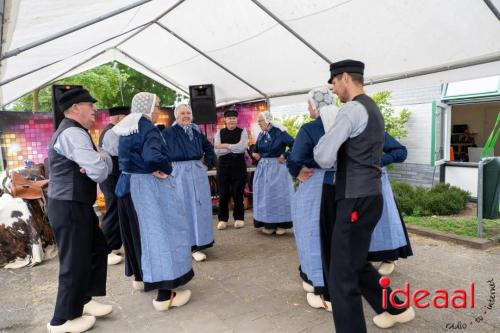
(460, 299)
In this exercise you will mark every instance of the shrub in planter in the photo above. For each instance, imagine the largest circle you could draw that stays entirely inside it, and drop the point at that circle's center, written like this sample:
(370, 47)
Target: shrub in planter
(442, 199)
(404, 194)
(420, 201)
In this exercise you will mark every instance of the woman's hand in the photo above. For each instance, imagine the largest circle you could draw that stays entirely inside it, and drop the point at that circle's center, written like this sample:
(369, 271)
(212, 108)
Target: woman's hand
(160, 174)
(304, 174)
(256, 156)
(282, 158)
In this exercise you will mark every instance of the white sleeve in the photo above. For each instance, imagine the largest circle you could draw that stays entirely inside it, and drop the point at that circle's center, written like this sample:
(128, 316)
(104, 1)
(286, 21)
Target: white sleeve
(350, 122)
(218, 151)
(75, 144)
(110, 143)
(240, 147)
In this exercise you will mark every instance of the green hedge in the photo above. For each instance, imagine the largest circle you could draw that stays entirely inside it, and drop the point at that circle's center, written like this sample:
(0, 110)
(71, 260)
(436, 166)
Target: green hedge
(442, 199)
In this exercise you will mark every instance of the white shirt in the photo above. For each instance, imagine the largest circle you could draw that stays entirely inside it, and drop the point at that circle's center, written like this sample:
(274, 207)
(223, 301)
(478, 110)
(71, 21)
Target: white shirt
(75, 144)
(237, 148)
(350, 122)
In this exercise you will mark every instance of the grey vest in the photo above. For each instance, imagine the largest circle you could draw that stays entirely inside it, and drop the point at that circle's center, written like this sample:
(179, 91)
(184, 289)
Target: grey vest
(358, 165)
(66, 182)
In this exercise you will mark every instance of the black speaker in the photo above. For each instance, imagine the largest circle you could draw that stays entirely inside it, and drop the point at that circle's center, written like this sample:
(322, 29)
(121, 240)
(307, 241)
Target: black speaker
(203, 103)
(58, 90)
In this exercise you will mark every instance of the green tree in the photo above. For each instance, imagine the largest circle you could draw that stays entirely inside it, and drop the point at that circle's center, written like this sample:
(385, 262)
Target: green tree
(395, 125)
(107, 83)
(294, 123)
(137, 82)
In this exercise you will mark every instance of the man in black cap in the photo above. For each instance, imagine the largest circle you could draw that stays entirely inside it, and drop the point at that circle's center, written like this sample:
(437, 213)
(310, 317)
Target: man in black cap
(352, 207)
(230, 144)
(110, 226)
(75, 168)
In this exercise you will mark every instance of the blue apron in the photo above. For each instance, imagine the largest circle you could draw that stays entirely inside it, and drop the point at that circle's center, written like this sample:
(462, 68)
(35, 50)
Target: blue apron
(166, 249)
(272, 192)
(192, 180)
(306, 204)
(388, 233)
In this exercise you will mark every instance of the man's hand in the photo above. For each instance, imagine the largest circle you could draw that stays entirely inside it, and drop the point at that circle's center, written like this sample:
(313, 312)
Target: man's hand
(256, 156)
(304, 174)
(160, 174)
(82, 170)
(282, 158)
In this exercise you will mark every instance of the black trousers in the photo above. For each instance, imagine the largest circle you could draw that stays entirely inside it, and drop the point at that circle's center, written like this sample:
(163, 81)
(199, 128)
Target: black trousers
(231, 184)
(82, 253)
(350, 275)
(129, 226)
(110, 225)
(326, 223)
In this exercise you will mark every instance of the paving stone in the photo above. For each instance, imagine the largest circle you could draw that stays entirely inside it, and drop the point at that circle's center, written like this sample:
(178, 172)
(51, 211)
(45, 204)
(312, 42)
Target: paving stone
(250, 283)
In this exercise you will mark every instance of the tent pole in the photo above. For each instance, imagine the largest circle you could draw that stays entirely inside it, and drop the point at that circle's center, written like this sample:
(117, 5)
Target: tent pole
(141, 28)
(431, 70)
(211, 59)
(70, 30)
(62, 74)
(493, 8)
(159, 17)
(290, 30)
(57, 61)
(396, 77)
(2, 18)
(153, 71)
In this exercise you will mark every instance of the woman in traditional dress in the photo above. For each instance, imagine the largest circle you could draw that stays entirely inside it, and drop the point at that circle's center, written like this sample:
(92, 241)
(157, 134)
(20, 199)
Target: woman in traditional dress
(164, 233)
(192, 155)
(307, 200)
(272, 185)
(390, 239)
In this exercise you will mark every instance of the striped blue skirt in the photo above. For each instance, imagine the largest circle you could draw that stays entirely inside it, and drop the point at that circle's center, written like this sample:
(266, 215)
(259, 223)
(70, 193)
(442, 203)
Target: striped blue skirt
(165, 241)
(192, 183)
(306, 204)
(272, 194)
(389, 239)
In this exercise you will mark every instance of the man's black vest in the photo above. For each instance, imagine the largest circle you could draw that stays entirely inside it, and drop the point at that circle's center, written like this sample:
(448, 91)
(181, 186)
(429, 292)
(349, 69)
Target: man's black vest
(231, 160)
(66, 182)
(116, 167)
(358, 164)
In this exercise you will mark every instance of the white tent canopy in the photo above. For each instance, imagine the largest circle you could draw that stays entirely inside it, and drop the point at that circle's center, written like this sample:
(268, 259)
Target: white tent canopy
(249, 49)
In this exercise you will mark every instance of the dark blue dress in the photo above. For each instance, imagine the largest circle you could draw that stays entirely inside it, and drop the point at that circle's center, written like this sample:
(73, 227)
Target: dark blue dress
(272, 185)
(191, 181)
(164, 233)
(306, 204)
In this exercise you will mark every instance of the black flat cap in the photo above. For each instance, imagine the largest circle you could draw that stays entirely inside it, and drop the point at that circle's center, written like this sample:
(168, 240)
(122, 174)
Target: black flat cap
(346, 66)
(117, 110)
(231, 112)
(74, 96)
